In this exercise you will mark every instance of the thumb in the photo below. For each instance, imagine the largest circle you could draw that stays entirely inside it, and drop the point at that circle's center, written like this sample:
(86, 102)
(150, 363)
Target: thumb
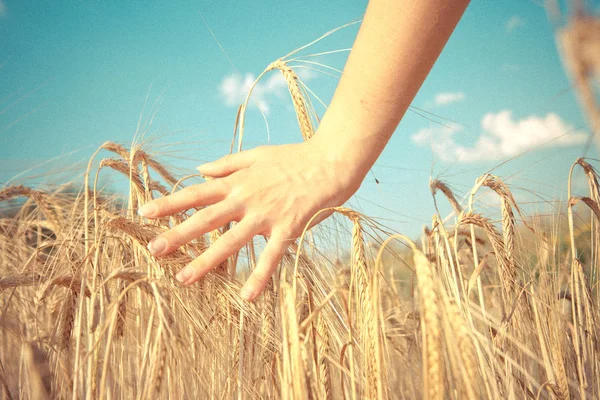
(228, 165)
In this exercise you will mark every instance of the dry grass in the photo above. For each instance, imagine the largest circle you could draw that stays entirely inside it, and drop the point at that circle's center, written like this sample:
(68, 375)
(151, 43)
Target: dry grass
(87, 312)
(102, 317)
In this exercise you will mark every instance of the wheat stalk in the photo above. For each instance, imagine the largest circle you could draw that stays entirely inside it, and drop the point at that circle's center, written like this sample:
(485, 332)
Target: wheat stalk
(298, 97)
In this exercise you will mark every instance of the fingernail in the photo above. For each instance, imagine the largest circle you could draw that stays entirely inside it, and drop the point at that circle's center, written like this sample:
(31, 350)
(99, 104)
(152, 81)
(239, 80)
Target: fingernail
(147, 210)
(157, 245)
(248, 293)
(204, 167)
(185, 274)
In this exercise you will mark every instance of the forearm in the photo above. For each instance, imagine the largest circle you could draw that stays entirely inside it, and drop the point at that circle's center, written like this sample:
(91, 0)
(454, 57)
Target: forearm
(396, 47)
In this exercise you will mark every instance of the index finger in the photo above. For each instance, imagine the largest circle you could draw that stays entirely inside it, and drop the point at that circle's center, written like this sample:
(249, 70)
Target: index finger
(200, 195)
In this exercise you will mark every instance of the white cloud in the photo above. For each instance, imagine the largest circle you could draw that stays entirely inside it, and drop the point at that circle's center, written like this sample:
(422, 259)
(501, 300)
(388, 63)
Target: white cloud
(443, 99)
(234, 88)
(2, 8)
(513, 23)
(503, 137)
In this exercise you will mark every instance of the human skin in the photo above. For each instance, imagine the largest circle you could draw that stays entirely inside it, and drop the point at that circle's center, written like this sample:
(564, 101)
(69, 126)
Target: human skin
(275, 190)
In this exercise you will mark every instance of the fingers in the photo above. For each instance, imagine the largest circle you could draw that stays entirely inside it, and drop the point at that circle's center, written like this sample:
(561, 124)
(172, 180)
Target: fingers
(228, 244)
(194, 196)
(267, 263)
(201, 222)
(229, 164)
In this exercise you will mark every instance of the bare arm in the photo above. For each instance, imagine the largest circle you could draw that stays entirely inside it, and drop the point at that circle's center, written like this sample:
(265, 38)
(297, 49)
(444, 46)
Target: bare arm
(275, 190)
(396, 47)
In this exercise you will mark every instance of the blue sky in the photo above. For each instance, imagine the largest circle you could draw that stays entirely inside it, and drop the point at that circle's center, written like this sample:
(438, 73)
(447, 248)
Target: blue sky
(74, 74)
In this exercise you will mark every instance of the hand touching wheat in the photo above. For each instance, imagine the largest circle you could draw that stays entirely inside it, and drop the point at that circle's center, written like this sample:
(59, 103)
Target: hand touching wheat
(272, 191)
(275, 190)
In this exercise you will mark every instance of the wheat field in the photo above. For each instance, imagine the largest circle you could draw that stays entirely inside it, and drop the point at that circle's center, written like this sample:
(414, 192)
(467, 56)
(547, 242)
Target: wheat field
(477, 308)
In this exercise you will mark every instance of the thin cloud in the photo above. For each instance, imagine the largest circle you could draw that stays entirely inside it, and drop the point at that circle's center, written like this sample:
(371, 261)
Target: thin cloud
(490, 198)
(234, 88)
(443, 99)
(503, 137)
(2, 8)
(513, 23)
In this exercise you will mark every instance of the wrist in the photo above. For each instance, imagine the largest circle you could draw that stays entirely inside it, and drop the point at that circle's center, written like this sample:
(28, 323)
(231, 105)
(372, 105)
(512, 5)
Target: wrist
(345, 159)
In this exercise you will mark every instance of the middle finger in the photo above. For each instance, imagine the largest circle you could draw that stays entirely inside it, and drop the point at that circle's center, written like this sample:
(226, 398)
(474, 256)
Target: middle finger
(201, 222)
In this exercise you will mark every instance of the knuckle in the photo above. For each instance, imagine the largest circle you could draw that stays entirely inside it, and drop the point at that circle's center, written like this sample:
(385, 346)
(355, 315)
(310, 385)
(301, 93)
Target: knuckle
(200, 268)
(166, 204)
(231, 238)
(161, 203)
(173, 238)
(209, 215)
(228, 160)
(195, 191)
(270, 260)
(261, 278)
(254, 221)
(222, 185)
(207, 260)
(289, 230)
(261, 223)
(259, 149)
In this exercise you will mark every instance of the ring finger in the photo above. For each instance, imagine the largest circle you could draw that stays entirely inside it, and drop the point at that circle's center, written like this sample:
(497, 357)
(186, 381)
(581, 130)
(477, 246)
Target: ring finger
(228, 244)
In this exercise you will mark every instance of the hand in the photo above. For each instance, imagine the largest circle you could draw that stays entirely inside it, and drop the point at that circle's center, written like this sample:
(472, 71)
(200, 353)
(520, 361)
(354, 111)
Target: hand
(272, 191)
